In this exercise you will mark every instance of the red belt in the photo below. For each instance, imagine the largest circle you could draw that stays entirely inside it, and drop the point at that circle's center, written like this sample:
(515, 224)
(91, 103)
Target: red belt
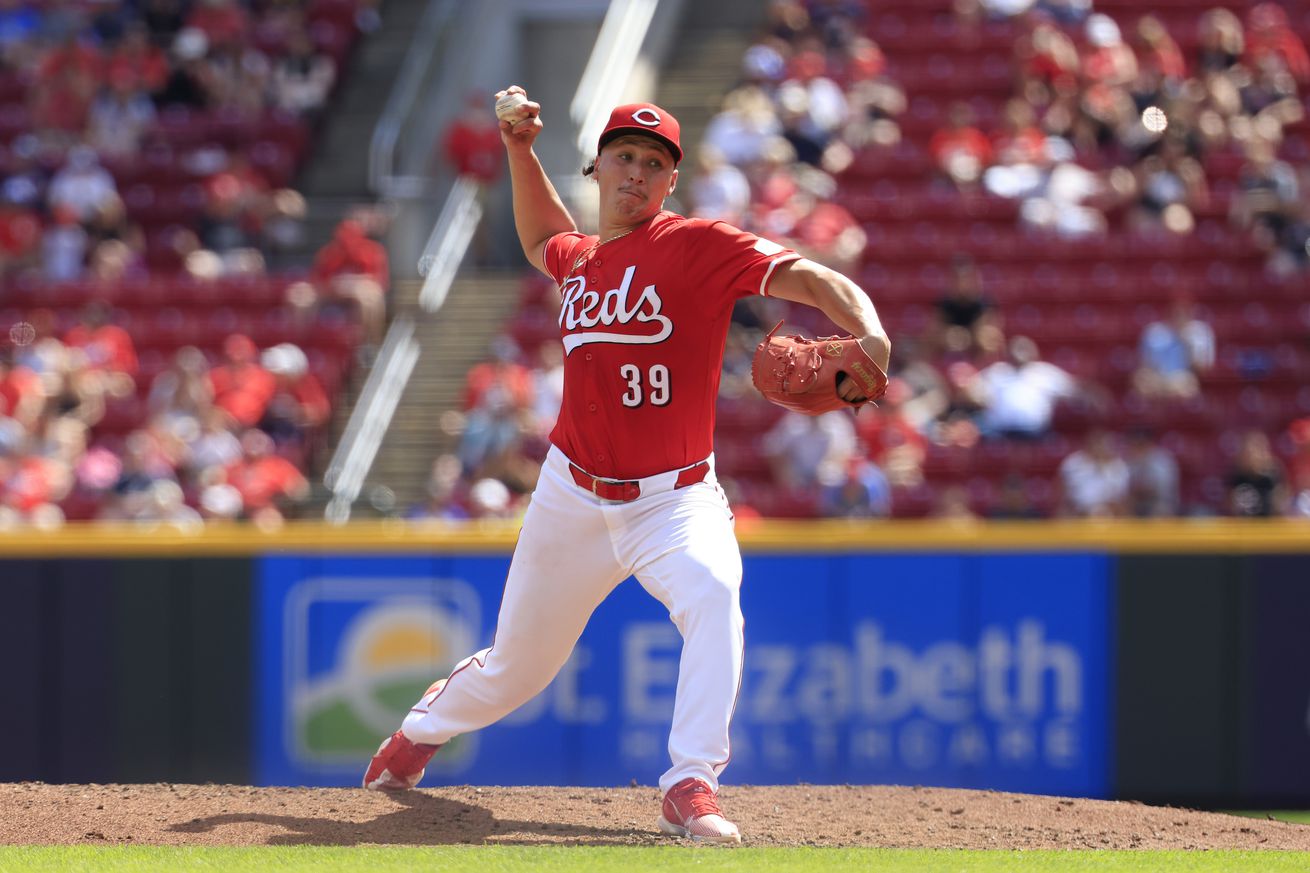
(624, 492)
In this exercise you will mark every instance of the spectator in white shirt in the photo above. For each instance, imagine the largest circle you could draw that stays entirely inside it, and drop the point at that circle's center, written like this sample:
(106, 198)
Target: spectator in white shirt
(719, 190)
(120, 117)
(1094, 479)
(1018, 395)
(747, 122)
(82, 185)
(805, 448)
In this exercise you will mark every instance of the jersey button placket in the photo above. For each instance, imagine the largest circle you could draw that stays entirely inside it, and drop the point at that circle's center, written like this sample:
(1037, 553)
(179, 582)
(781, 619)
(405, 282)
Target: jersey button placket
(591, 407)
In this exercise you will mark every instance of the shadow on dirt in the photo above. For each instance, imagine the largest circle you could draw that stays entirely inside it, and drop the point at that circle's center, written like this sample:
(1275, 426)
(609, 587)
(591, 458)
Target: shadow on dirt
(421, 820)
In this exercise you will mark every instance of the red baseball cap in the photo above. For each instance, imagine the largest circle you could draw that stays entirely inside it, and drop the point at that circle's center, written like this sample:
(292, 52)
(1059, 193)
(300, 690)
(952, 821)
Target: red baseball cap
(643, 118)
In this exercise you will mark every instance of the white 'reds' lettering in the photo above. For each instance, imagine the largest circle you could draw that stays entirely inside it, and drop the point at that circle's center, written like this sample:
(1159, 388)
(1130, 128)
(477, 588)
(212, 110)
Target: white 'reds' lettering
(583, 309)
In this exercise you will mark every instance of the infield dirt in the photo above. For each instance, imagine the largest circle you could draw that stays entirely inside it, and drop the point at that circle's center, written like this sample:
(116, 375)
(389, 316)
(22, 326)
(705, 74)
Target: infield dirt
(809, 815)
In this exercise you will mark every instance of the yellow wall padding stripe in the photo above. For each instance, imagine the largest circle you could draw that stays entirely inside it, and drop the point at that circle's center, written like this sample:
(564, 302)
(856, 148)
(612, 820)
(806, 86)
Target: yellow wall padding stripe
(1186, 536)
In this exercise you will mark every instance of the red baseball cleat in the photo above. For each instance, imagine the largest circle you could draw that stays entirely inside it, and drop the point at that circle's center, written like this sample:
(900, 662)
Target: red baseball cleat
(691, 809)
(398, 764)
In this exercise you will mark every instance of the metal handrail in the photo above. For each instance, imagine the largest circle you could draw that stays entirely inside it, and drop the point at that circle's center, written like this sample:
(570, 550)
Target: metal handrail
(449, 241)
(612, 61)
(371, 417)
(400, 104)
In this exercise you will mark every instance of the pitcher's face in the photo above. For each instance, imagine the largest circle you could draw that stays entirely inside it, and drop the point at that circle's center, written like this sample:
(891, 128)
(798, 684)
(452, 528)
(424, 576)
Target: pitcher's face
(635, 174)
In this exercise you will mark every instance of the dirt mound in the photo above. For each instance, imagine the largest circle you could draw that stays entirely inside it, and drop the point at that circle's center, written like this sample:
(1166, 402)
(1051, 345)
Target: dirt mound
(813, 815)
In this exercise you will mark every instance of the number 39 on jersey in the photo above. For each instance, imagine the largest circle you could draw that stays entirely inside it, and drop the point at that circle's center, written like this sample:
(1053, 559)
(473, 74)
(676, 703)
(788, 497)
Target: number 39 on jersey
(652, 386)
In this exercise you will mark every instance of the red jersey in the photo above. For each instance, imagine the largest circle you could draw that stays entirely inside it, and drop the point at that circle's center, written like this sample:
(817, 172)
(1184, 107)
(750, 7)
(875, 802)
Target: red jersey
(243, 391)
(262, 480)
(107, 347)
(644, 318)
(475, 150)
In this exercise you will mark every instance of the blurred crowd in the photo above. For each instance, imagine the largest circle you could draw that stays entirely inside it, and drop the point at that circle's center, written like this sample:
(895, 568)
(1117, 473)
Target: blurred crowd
(1100, 131)
(1105, 127)
(123, 120)
(222, 439)
(153, 142)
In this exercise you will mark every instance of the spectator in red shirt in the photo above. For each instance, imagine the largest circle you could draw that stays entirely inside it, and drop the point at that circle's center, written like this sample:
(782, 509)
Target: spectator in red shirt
(828, 233)
(891, 441)
(501, 377)
(1048, 63)
(72, 55)
(1158, 52)
(59, 104)
(471, 145)
(238, 181)
(498, 399)
(33, 485)
(242, 388)
(864, 60)
(22, 395)
(353, 267)
(106, 349)
(961, 151)
(471, 148)
(265, 481)
(224, 22)
(138, 61)
(20, 237)
(773, 185)
(1109, 60)
(1270, 38)
(1022, 142)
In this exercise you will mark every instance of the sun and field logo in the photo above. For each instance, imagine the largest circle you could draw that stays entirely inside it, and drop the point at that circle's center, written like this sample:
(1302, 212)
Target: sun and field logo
(359, 652)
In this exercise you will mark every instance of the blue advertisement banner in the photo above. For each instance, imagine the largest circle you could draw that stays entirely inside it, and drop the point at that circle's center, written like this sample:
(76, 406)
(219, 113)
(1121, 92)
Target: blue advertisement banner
(981, 671)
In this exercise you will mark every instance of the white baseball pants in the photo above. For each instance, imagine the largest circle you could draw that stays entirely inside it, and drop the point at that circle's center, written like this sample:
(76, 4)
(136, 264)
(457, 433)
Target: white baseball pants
(573, 550)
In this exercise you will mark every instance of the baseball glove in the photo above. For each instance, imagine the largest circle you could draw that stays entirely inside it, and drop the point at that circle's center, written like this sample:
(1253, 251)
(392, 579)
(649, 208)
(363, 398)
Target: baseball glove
(803, 375)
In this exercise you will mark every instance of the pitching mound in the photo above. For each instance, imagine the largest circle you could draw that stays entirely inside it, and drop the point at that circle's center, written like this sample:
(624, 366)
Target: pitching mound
(811, 815)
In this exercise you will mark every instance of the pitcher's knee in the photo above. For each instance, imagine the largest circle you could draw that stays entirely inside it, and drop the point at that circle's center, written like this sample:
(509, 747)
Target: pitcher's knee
(713, 595)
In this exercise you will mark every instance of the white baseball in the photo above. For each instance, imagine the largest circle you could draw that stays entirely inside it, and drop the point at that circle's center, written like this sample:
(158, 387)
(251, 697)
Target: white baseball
(512, 107)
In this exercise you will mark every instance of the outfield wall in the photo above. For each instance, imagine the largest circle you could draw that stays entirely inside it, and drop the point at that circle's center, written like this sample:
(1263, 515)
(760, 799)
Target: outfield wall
(1153, 661)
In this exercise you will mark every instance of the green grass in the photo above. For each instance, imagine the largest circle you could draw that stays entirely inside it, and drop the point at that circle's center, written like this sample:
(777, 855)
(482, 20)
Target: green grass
(1300, 816)
(513, 859)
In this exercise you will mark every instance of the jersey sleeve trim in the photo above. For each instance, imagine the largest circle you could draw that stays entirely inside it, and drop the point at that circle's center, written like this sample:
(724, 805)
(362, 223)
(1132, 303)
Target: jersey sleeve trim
(773, 265)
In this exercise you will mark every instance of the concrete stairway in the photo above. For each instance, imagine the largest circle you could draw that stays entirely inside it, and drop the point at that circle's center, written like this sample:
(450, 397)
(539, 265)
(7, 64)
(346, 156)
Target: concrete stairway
(452, 341)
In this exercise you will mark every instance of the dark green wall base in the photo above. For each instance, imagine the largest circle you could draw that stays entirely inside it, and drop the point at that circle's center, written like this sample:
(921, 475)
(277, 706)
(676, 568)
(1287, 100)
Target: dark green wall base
(126, 671)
